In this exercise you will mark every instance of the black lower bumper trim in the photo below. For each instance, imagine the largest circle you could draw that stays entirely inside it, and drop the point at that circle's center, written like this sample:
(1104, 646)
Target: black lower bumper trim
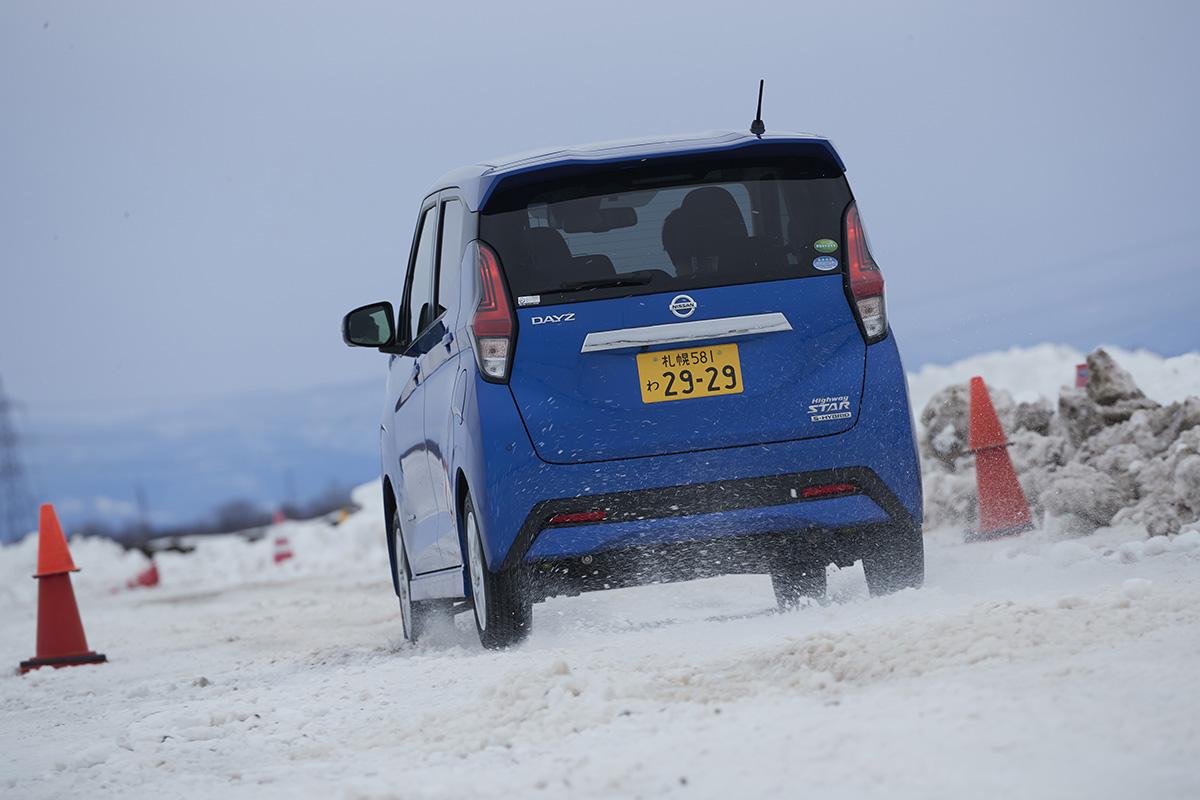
(63, 661)
(704, 498)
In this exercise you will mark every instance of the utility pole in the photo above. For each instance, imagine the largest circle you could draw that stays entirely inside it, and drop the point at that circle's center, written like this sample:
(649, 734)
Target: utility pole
(16, 507)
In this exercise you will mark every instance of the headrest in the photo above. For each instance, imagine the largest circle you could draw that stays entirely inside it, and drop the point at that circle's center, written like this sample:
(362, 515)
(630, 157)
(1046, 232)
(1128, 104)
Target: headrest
(674, 236)
(706, 230)
(716, 206)
(547, 248)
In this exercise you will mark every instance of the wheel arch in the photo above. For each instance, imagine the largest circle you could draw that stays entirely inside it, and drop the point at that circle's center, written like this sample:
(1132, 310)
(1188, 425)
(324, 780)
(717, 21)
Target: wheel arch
(389, 514)
(462, 491)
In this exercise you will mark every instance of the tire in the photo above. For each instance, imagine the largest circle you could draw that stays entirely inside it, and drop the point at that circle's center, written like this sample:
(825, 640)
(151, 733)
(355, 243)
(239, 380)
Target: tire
(795, 580)
(414, 614)
(503, 603)
(894, 560)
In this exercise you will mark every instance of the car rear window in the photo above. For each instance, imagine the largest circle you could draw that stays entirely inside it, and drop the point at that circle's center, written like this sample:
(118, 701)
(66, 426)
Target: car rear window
(668, 227)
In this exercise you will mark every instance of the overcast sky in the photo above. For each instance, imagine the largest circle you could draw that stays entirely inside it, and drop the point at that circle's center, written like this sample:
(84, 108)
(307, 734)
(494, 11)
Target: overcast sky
(190, 197)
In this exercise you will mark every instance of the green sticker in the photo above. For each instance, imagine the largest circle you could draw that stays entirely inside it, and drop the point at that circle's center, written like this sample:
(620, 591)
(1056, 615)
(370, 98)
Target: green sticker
(825, 245)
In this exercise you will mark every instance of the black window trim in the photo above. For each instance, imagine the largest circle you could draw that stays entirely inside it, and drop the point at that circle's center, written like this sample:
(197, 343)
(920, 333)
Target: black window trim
(448, 195)
(432, 203)
(428, 205)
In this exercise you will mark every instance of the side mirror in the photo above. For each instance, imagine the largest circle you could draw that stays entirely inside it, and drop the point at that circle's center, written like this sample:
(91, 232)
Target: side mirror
(370, 326)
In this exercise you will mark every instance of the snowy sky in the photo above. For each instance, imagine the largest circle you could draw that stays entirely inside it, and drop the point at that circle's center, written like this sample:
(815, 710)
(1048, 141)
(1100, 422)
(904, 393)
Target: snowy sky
(191, 197)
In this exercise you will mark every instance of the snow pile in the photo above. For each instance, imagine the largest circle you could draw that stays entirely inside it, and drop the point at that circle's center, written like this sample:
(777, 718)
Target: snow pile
(357, 544)
(104, 563)
(1105, 455)
(1034, 373)
(217, 562)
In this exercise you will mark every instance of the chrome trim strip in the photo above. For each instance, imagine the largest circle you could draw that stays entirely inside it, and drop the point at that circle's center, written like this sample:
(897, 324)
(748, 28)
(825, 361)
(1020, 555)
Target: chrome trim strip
(724, 328)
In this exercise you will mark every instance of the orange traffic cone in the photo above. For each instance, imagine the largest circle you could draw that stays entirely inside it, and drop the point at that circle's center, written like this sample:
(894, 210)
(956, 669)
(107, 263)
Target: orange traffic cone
(1003, 510)
(60, 639)
(147, 578)
(283, 550)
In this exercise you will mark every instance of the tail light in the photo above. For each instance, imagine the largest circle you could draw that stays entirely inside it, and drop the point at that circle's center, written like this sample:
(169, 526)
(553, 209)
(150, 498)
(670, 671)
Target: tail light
(492, 324)
(866, 281)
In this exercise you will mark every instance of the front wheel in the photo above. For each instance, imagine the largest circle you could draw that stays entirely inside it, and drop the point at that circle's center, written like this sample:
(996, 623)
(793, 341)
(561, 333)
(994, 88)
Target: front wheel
(894, 560)
(502, 600)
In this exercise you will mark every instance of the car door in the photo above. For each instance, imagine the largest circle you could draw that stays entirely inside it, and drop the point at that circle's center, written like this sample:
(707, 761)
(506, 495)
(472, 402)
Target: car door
(414, 493)
(440, 365)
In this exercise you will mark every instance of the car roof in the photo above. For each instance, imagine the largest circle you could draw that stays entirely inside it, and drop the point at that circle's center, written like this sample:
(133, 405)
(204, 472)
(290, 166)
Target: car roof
(478, 181)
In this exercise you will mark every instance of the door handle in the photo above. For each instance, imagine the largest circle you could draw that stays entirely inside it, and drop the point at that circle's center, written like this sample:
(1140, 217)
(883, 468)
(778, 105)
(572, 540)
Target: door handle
(448, 341)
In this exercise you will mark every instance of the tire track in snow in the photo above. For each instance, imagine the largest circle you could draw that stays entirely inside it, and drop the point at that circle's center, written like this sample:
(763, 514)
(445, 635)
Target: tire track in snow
(557, 694)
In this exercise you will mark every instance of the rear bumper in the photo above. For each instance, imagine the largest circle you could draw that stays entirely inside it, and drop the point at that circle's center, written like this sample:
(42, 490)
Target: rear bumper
(698, 496)
(726, 509)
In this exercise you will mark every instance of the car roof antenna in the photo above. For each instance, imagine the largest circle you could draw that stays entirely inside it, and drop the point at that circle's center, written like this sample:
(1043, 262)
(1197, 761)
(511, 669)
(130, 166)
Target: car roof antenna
(757, 127)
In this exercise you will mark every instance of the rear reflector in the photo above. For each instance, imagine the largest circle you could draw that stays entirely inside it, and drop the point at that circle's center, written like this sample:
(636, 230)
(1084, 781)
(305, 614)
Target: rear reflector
(828, 490)
(580, 516)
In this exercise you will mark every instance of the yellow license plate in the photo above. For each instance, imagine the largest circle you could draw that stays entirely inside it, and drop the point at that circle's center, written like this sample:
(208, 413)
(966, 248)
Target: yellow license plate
(685, 374)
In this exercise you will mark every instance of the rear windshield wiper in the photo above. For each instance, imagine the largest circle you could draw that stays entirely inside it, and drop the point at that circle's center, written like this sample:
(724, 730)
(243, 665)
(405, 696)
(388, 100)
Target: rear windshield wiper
(602, 283)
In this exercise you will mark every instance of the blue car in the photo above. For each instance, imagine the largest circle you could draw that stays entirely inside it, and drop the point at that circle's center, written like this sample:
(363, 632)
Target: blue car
(638, 362)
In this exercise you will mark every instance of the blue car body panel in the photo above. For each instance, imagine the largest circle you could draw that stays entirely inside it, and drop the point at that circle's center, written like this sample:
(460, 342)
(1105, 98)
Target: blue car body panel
(588, 406)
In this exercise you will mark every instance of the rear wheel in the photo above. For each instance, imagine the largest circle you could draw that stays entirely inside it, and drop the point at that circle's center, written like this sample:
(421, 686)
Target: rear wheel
(894, 560)
(413, 614)
(796, 580)
(502, 600)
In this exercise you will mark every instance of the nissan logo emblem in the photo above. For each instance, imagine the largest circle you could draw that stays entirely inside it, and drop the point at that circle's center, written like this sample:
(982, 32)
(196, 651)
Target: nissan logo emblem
(682, 306)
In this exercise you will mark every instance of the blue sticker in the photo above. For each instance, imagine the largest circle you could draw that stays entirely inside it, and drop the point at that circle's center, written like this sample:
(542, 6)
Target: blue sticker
(825, 263)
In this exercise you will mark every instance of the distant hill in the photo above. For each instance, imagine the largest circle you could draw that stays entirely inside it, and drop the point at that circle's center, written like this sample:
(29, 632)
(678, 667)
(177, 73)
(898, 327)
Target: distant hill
(192, 458)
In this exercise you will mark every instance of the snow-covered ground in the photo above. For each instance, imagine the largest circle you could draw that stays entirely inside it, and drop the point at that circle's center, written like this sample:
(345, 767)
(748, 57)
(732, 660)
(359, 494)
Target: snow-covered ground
(1037, 666)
